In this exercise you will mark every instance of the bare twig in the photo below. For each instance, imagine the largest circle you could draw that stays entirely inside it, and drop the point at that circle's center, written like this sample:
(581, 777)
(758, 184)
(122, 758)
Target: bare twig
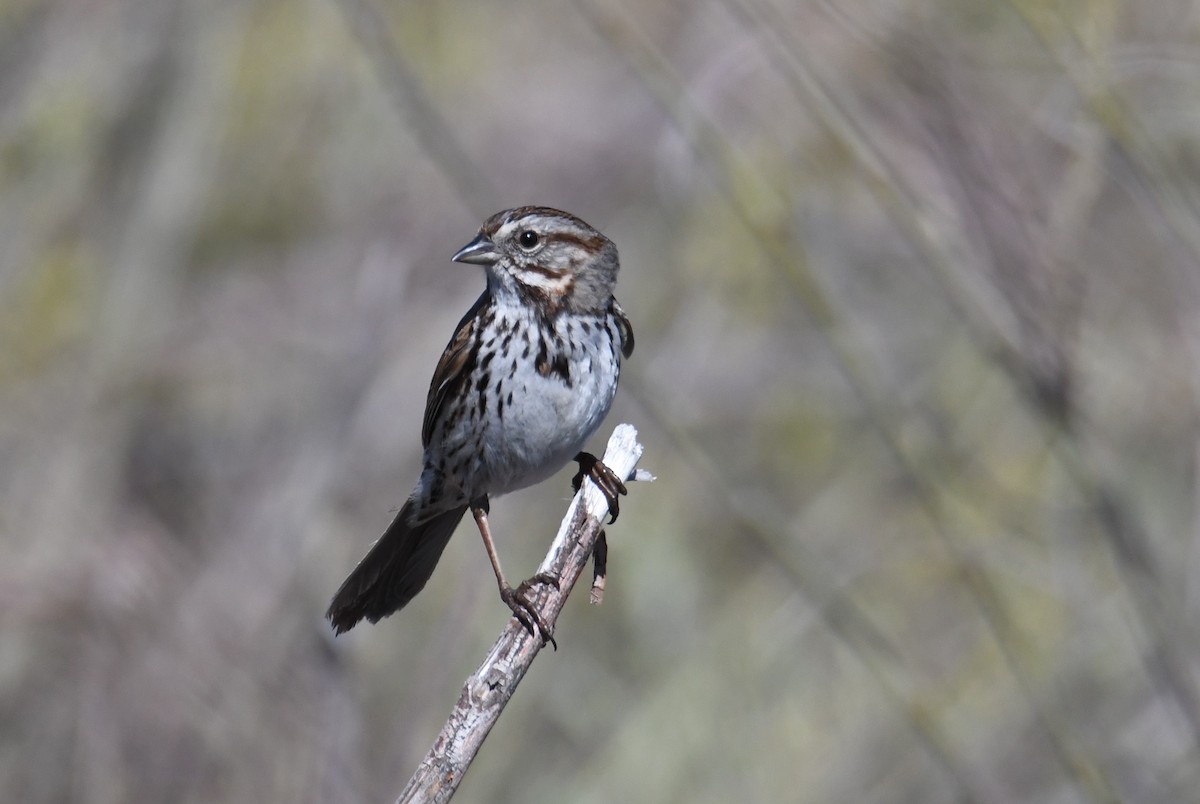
(417, 109)
(487, 691)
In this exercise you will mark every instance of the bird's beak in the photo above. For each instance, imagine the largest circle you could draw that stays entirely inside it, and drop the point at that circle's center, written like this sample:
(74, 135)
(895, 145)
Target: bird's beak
(480, 251)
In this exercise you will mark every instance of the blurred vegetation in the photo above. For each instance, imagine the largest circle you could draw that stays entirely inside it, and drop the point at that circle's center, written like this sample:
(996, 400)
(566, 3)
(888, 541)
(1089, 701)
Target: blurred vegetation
(917, 303)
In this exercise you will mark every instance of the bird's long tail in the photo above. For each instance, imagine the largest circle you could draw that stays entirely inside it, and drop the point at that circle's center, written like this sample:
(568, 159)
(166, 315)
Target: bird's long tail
(394, 570)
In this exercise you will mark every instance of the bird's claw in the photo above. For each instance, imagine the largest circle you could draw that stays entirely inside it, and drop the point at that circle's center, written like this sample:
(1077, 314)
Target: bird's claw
(522, 607)
(605, 479)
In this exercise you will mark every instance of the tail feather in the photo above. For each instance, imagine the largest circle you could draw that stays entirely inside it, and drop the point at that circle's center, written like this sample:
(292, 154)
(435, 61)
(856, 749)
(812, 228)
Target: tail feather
(394, 570)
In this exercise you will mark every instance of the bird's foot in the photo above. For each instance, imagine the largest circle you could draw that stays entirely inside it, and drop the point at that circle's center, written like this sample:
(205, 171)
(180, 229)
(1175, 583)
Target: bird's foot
(604, 478)
(522, 607)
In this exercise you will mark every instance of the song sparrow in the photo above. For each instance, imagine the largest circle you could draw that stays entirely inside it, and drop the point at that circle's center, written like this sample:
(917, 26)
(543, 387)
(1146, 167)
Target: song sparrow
(528, 376)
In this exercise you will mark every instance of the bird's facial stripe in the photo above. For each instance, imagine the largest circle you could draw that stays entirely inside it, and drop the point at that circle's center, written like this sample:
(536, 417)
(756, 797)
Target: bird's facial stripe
(549, 228)
(580, 242)
(510, 229)
(540, 270)
(547, 279)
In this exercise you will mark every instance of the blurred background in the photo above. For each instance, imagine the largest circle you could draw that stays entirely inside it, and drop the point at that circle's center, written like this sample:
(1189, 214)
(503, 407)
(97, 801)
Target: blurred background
(917, 302)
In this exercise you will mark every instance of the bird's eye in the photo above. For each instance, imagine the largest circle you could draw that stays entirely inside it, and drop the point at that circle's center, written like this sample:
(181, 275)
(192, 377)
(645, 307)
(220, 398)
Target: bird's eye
(527, 239)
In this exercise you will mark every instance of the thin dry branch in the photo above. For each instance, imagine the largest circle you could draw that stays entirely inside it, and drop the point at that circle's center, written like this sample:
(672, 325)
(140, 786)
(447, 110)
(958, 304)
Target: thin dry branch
(489, 688)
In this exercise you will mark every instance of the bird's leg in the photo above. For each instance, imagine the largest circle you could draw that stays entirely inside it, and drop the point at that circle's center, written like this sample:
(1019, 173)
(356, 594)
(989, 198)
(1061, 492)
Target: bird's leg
(599, 570)
(611, 486)
(516, 599)
(605, 479)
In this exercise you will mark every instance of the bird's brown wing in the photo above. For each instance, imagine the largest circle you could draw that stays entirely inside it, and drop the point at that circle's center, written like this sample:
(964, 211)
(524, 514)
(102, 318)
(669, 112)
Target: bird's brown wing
(625, 328)
(452, 367)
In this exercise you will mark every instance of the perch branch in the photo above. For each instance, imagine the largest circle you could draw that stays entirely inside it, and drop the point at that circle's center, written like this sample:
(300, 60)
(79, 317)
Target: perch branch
(488, 690)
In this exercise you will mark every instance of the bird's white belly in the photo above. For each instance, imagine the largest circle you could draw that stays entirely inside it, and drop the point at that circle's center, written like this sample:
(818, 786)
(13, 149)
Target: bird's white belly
(548, 420)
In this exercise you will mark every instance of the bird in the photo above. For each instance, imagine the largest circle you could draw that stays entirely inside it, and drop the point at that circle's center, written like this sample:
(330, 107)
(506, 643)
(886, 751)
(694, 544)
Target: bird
(528, 376)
